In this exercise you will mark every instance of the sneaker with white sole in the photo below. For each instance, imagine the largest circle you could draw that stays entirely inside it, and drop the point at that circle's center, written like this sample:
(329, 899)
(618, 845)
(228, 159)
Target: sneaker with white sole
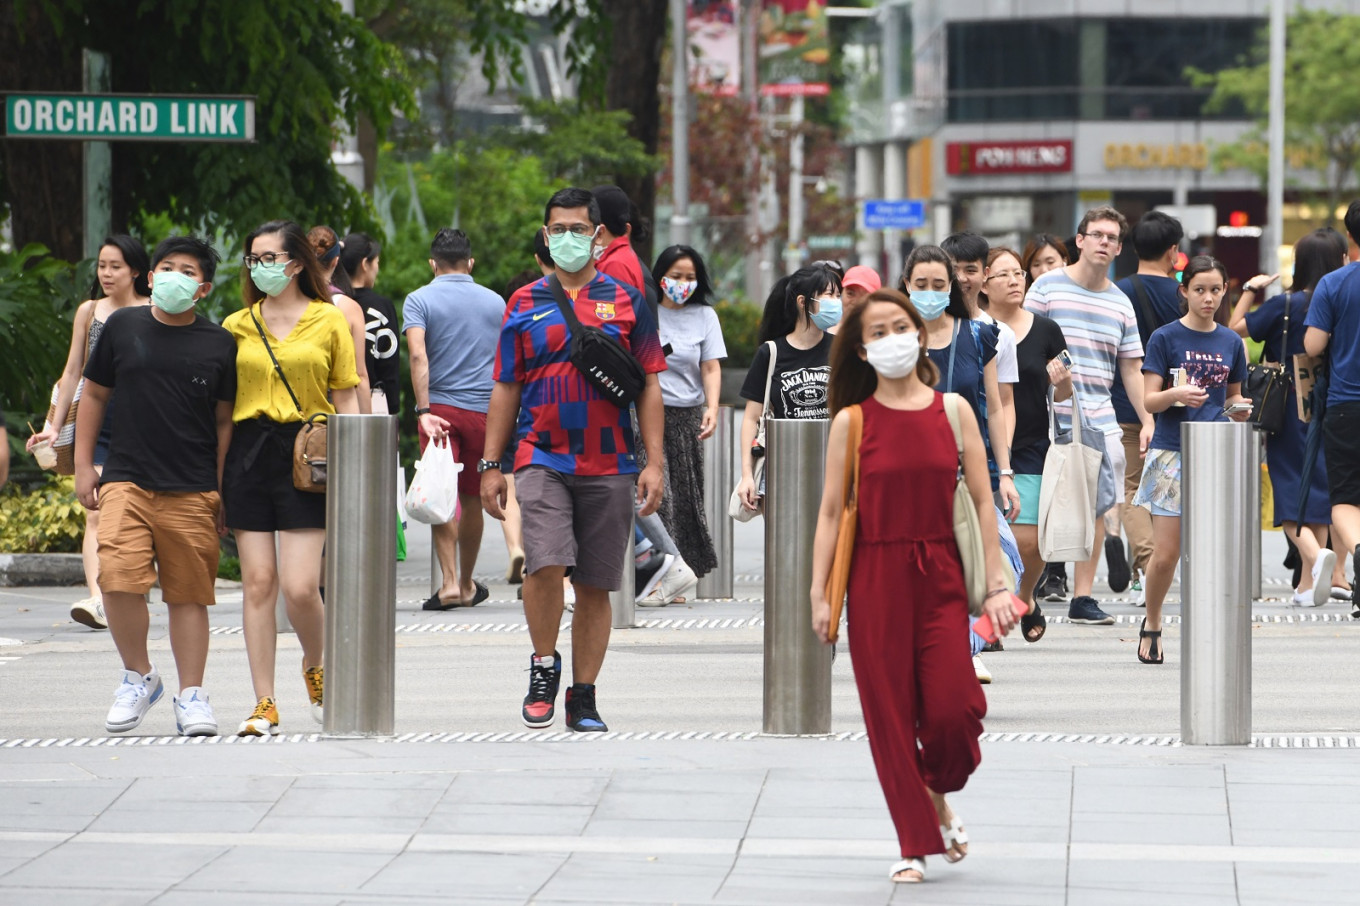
(648, 575)
(132, 699)
(193, 715)
(678, 582)
(315, 680)
(984, 675)
(263, 721)
(1322, 576)
(90, 612)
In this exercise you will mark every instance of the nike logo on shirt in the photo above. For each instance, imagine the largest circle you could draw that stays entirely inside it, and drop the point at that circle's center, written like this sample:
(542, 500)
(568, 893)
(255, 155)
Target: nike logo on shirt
(541, 315)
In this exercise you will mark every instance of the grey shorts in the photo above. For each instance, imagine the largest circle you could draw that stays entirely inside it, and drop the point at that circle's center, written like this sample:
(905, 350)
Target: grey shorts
(578, 521)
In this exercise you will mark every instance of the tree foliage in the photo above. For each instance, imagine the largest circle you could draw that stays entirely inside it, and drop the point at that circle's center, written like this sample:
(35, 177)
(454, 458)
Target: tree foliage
(310, 66)
(1322, 101)
(33, 344)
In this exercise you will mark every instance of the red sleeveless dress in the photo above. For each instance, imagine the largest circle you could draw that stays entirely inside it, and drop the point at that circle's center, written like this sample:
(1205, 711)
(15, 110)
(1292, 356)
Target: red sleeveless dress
(908, 619)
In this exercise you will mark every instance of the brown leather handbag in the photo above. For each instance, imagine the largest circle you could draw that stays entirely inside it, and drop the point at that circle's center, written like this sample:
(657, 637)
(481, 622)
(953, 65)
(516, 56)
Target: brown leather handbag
(309, 455)
(838, 580)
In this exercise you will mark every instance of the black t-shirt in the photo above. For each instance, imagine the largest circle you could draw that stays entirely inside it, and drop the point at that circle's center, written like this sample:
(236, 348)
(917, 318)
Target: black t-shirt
(800, 378)
(382, 330)
(1032, 355)
(169, 381)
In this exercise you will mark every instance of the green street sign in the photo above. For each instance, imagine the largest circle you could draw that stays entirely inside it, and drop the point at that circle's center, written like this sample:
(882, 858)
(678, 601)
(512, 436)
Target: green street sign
(131, 117)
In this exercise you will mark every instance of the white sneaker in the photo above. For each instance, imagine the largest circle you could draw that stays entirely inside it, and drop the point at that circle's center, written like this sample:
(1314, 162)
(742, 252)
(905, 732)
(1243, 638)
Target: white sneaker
(1140, 599)
(1322, 578)
(678, 582)
(90, 612)
(569, 598)
(193, 714)
(132, 699)
(1302, 599)
(984, 675)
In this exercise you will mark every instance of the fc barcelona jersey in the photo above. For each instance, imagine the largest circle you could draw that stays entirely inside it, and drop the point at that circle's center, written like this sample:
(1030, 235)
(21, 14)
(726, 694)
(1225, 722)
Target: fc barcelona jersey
(564, 422)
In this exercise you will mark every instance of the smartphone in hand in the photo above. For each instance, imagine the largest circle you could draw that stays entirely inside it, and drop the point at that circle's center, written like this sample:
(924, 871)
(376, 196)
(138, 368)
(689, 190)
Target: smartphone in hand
(983, 626)
(1237, 407)
(1066, 358)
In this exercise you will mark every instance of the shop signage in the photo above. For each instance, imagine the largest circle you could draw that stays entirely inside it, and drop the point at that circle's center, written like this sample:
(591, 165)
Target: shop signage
(1184, 156)
(113, 117)
(971, 158)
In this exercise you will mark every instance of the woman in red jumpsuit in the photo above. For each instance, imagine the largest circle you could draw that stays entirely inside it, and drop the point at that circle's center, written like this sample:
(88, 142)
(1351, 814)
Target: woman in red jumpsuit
(908, 610)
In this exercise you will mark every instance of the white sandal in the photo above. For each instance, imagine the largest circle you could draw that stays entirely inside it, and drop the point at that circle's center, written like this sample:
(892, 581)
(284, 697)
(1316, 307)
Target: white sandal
(954, 836)
(917, 865)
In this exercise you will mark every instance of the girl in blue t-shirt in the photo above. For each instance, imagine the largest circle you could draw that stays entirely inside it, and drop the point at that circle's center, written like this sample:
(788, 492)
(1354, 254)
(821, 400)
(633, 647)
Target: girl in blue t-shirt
(1201, 364)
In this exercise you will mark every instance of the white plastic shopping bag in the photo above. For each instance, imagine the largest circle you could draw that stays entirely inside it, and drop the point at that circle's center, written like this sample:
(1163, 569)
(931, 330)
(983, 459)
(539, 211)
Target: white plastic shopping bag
(433, 495)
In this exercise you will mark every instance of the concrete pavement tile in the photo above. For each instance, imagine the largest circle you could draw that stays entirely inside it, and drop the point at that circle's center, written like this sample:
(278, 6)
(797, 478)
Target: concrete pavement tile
(1176, 800)
(724, 782)
(294, 870)
(665, 827)
(454, 876)
(60, 806)
(877, 826)
(1097, 881)
(526, 788)
(188, 817)
(155, 792)
(697, 803)
(480, 818)
(812, 881)
(1296, 823)
(637, 879)
(402, 825)
(182, 896)
(376, 780)
(990, 881)
(29, 772)
(75, 896)
(1266, 884)
(106, 866)
(351, 801)
(1141, 827)
(1095, 778)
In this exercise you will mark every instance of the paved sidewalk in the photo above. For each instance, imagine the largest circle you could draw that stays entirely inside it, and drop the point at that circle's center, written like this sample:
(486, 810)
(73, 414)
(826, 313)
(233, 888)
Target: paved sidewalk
(674, 821)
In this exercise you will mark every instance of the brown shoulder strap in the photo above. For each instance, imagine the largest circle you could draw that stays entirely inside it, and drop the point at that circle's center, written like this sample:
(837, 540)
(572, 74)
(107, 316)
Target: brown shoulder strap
(850, 486)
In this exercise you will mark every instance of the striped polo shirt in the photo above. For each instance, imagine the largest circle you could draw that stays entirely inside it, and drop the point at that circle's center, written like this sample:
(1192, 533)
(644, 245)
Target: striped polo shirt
(1100, 328)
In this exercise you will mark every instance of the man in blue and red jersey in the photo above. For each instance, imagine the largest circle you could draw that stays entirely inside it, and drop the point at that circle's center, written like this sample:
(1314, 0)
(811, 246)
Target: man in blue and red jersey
(576, 465)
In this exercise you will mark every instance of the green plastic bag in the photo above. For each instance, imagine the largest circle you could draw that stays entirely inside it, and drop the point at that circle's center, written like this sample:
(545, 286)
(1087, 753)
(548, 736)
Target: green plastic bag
(401, 540)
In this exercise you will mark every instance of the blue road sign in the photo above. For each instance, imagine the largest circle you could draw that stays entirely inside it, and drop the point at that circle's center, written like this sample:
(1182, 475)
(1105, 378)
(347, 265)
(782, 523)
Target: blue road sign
(895, 215)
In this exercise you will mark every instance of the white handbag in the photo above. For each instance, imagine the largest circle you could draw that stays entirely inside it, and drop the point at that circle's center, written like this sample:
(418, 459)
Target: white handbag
(1067, 494)
(735, 508)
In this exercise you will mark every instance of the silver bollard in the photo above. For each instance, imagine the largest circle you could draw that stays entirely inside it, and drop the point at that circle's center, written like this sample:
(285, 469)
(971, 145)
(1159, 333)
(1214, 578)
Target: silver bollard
(797, 664)
(718, 485)
(1219, 460)
(361, 576)
(623, 603)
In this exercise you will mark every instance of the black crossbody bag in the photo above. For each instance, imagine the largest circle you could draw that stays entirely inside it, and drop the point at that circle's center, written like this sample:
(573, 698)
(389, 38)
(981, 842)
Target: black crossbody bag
(610, 368)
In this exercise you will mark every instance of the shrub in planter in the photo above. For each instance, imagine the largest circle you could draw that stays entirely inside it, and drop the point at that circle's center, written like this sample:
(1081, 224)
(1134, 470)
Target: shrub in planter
(45, 520)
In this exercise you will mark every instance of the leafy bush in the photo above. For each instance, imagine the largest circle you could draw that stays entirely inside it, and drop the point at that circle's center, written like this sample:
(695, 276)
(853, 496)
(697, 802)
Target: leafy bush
(38, 297)
(741, 328)
(229, 568)
(46, 520)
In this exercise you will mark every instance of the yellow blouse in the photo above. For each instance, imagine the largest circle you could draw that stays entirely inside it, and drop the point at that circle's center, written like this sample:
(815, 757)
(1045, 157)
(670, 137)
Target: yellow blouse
(317, 356)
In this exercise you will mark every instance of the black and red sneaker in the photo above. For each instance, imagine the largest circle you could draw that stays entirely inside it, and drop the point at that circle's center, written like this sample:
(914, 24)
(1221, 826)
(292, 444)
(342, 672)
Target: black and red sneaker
(581, 714)
(540, 705)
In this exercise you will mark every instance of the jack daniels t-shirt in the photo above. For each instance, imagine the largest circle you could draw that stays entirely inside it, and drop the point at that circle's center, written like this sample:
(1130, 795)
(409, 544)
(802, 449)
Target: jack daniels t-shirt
(798, 388)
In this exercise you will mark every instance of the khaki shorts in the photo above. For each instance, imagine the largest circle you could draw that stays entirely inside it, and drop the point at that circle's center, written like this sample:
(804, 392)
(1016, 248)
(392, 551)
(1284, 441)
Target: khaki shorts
(578, 521)
(142, 532)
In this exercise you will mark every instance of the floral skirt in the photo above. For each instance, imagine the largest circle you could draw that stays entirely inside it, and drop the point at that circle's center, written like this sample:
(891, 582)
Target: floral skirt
(1160, 487)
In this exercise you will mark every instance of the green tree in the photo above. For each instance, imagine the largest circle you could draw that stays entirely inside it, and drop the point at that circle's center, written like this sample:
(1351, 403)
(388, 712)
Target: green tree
(1322, 102)
(310, 66)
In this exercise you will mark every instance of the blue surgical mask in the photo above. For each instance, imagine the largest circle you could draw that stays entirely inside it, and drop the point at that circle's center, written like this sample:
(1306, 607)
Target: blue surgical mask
(828, 313)
(931, 303)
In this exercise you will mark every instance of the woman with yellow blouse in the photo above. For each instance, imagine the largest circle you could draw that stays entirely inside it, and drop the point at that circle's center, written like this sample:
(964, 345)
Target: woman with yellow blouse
(287, 314)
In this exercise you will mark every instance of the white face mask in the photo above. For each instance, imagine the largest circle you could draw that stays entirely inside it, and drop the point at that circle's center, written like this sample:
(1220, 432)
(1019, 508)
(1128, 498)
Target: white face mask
(895, 355)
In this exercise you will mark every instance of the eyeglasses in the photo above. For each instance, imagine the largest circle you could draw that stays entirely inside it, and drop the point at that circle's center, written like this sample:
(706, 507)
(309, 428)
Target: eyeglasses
(1008, 276)
(579, 229)
(268, 258)
(1102, 238)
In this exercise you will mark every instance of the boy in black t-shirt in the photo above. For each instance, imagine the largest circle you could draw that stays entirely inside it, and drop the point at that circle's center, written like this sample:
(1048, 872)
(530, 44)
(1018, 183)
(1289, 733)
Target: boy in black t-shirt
(158, 497)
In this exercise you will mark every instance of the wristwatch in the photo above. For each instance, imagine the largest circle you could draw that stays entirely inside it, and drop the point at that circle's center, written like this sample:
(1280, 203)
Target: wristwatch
(421, 410)
(484, 465)
(1007, 473)
(1248, 288)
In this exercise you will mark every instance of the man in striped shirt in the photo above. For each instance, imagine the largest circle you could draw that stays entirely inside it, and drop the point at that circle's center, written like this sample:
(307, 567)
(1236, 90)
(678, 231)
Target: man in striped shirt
(1102, 335)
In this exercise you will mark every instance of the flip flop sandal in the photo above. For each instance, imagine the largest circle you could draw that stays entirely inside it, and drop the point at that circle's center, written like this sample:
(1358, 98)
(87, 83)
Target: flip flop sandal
(1032, 621)
(435, 604)
(916, 865)
(954, 836)
(1154, 655)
